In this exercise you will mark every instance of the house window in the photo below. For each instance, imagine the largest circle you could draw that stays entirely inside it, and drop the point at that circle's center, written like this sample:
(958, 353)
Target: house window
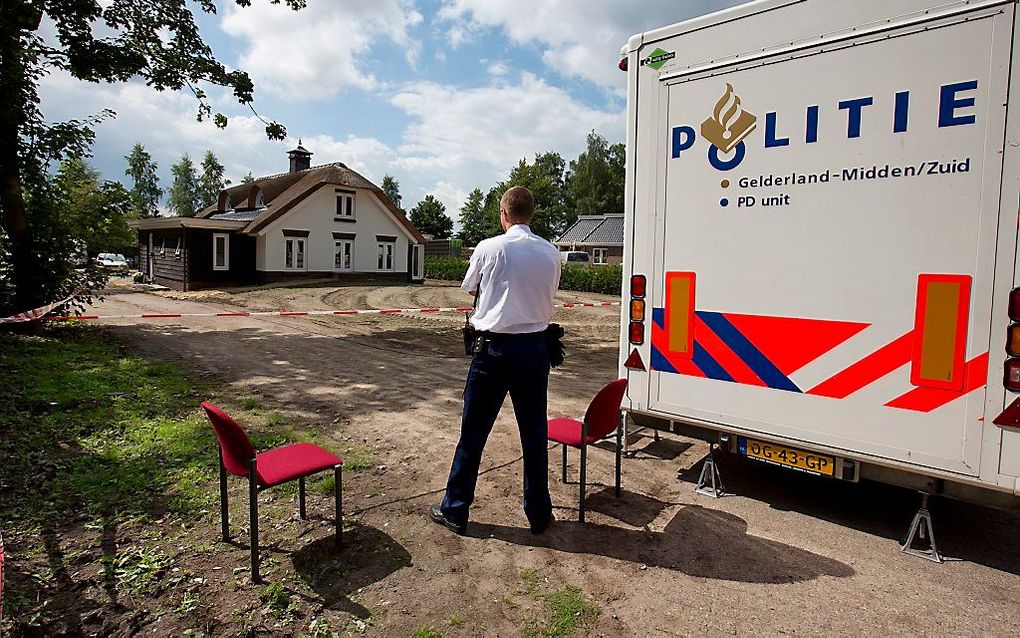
(221, 251)
(600, 256)
(294, 253)
(343, 255)
(177, 251)
(162, 247)
(385, 260)
(228, 204)
(260, 200)
(344, 205)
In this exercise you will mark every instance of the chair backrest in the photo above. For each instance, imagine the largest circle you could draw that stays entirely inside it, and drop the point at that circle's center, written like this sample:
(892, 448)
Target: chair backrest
(603, 413)
(235, 446)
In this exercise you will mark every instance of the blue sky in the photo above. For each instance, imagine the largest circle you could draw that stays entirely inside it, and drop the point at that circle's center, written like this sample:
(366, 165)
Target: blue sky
(446, 95)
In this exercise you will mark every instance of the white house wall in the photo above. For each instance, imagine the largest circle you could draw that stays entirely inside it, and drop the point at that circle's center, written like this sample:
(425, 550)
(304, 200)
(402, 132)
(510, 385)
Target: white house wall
(316, 215)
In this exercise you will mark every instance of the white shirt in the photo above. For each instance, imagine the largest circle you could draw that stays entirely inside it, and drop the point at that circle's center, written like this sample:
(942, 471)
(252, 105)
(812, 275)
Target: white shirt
(519, 272)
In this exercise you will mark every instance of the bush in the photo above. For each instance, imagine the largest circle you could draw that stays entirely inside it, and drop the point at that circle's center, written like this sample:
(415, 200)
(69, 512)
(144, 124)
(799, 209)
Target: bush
(605, 279)
(445, 268)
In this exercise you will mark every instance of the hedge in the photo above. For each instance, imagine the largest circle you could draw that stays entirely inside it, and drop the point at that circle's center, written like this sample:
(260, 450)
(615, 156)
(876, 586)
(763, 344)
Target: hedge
(606, 279)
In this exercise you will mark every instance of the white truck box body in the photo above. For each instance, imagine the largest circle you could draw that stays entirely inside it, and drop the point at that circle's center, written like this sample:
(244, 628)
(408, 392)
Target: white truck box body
(873, 194)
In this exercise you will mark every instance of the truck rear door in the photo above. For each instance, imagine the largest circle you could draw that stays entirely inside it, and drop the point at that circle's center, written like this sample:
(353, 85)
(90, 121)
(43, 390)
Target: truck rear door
(824, 241)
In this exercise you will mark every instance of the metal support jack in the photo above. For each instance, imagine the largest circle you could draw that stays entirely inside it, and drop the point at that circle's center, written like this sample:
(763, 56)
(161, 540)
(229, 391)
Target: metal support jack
(710, 481)
(921, 528)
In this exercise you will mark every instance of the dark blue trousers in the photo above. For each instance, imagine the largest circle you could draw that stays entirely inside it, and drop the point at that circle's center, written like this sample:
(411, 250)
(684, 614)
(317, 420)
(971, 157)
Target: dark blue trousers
(518, 366)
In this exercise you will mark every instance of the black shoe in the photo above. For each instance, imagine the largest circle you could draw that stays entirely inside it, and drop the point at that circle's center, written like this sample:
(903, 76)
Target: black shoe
(436, 514)
(538, 529)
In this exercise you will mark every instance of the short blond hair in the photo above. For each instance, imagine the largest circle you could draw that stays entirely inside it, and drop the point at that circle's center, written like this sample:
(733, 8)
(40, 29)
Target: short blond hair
(519, 204)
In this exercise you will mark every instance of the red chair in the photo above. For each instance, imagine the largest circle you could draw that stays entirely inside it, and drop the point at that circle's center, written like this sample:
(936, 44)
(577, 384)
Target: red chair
(602, 417)
(266, 469)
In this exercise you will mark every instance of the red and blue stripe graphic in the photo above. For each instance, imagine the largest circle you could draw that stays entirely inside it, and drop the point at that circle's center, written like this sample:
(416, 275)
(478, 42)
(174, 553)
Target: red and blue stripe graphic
(749, 349)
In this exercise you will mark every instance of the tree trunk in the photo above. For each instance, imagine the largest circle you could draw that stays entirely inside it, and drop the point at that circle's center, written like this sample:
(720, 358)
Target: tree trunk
(12, 198)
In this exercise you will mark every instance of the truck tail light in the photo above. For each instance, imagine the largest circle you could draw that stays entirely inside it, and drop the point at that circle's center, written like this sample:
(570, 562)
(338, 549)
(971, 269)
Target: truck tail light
(1011, 375)
(1013, 340)
(637, 337)
(638, 283)
(636, 329)
(623, 64)
(1014, 305)
(637, 310)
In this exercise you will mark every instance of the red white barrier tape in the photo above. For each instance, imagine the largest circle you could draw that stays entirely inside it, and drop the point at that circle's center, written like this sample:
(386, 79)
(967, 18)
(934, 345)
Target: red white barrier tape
(37, 313)
(309, 313)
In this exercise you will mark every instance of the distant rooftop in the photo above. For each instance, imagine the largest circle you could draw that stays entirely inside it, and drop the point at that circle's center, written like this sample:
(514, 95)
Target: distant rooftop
(600, 230)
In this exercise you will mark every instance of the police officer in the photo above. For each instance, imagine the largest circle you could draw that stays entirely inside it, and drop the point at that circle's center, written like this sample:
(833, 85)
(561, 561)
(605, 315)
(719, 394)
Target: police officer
(515, 276)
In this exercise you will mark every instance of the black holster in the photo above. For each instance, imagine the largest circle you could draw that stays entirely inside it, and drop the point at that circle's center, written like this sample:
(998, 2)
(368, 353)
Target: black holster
(554, 340)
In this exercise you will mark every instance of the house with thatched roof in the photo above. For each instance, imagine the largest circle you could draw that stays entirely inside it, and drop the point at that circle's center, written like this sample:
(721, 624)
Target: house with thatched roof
(308, 223)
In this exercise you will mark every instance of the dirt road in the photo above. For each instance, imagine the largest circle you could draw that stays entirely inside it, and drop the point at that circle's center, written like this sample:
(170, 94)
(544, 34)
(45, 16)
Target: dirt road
(785, 554)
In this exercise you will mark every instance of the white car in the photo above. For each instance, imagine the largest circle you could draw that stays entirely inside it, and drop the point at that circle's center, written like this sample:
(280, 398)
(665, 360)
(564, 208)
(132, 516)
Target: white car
(112, 261)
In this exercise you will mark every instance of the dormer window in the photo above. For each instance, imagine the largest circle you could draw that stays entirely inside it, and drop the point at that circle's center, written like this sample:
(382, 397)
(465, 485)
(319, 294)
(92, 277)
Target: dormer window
(344, 205)
(260, 200)
(228, 204)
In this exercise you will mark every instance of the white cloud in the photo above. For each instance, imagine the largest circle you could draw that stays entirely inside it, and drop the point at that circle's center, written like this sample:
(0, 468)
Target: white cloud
(472, 137)
(323, 49)
(576, 39)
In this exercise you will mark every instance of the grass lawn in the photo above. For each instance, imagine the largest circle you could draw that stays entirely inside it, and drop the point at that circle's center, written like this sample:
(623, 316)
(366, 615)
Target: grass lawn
(109, 499)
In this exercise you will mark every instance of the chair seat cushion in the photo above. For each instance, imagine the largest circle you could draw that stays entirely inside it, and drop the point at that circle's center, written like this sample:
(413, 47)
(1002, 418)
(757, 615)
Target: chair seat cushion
(566, 431)
(290, 462)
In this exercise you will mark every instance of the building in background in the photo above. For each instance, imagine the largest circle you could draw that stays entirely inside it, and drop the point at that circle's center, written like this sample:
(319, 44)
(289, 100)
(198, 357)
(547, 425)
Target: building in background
(601, 236)
(308, 223)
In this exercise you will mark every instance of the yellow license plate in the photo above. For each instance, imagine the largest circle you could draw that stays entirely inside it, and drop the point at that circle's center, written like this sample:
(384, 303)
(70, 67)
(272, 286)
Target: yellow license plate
(787, 456)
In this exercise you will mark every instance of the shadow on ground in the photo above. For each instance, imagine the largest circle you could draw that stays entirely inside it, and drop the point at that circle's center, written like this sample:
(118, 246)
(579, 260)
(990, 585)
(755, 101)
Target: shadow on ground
(963, 531)
(697, 542)
(368, 556)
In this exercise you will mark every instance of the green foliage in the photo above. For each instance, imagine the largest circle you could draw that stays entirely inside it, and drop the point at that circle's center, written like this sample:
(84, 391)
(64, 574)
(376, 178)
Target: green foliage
(391, 187)
(185, 198)
(426, 631)
(446, 268)
(211, 181)
(112, 41)
(595, 181)
(140, 568)
(53, 247)
(473, 226)
(278, 601)
(94, 213)
(248, 178)
(145, 190)
(429, 217)
(605, 279)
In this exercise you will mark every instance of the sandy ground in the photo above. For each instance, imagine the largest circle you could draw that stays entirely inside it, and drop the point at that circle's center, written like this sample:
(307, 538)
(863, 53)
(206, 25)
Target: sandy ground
(785, 554)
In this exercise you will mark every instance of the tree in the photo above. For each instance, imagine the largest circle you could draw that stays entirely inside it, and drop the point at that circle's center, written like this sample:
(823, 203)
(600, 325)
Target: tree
(391, 187)
(211, 181)
(95, 213)
(473, 226)
(544, 178)
(145, 190)
(185, 196)
(248, 179)
(429, 216)
(595, 181)
(113, 41)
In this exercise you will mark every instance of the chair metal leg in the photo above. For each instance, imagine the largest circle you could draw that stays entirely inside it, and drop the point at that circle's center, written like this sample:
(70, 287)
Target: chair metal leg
(224, 506)
(619, 455)
(338, 475)
(301, 498)
(584, 460)
(253, 508)
(564, 446)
